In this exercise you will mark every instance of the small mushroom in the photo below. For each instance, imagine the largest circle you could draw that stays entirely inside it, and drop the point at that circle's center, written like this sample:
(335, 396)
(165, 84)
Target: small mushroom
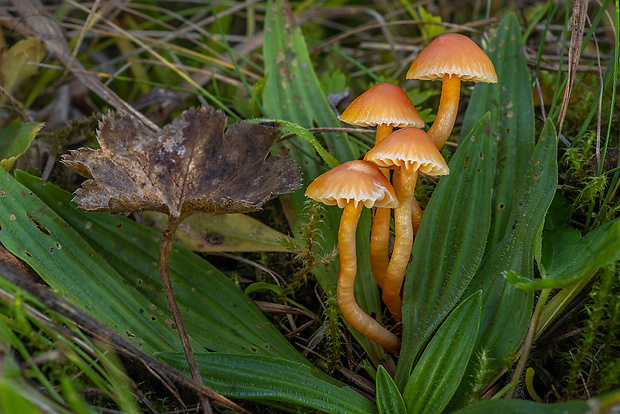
(385, 106)
(450, 57)
(411, 151)
(351, 186)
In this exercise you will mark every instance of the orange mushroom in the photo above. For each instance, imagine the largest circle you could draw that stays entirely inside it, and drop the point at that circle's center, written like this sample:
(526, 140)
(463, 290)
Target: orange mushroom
(412, 151)
(351, 186)
(450, 57)
(385, 106)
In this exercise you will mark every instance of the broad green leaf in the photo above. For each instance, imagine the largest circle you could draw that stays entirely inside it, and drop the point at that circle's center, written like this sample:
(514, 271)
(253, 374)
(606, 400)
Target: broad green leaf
(389, 399)
(449, 245)
(36, 234)
(293, 93)
(442, 365)
(218, 316)
(268, 380)
(512, 118)
(507, 310)
(203, 232)
(524, 185)
(524, 406)
(15, 139)
(567, 257)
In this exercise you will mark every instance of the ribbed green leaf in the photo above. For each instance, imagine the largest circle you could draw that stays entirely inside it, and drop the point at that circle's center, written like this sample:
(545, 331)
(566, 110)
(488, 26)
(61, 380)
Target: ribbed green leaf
(389, 399)
(507, 310)
(567, 257)
(36, 234)
(450, 243)
(524, 185)
(442, 365)
(512, 118)
(268, 379)
(218, 316)
(524, 406)
(293, 93)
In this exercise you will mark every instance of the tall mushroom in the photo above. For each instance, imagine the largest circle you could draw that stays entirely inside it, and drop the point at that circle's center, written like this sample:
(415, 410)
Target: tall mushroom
(450, 57)
(412, 151)
(351, 186)
(385, 106)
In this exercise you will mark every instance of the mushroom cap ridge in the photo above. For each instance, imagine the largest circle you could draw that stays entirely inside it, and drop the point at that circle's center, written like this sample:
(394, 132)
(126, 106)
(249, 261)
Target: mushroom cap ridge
(410, 147)
(353, 181)
(453, 54)
(384, 103)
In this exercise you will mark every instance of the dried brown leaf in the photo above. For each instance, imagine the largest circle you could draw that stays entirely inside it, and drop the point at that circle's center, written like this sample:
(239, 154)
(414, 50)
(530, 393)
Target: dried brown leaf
(191, 165)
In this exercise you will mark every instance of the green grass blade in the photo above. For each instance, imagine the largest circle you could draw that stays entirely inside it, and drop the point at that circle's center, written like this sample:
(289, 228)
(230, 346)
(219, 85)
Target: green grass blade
(218, 316)
(443, 363)
(270, 380)
(450, 243)
(305, 134)
(36, 234)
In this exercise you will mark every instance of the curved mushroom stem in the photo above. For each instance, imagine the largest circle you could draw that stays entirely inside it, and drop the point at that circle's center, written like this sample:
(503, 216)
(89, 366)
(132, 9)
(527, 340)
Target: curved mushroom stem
(416, 216)
(379, 244)
(356, 317)
(380, 231)
(404, 186)
(448, 108)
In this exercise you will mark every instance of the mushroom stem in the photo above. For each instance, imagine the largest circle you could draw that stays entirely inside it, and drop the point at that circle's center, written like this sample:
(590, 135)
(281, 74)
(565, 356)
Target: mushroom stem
(383, 130)
(404, 186)
(416, 216)
(379, 243)
(380, 230)
(448, 108)
(351, 311)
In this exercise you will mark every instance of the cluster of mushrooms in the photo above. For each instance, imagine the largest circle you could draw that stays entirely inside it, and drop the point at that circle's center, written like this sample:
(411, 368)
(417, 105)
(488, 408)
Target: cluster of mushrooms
(407, 151)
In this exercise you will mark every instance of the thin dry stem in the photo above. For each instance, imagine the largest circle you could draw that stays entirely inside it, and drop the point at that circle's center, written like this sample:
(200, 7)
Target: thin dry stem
(164, 269)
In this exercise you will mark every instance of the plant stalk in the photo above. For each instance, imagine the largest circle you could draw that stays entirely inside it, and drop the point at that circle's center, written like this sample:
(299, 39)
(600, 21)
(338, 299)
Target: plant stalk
(529, 339)
(164, 269)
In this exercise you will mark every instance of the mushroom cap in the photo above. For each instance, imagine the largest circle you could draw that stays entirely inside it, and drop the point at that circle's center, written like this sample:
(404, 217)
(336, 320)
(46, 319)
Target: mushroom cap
(354, 181)
(383, 104)
(411, 148)
(453, 54)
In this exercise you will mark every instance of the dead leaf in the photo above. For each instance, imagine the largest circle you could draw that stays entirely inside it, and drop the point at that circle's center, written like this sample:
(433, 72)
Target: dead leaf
(191, 165)
(20, 62)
